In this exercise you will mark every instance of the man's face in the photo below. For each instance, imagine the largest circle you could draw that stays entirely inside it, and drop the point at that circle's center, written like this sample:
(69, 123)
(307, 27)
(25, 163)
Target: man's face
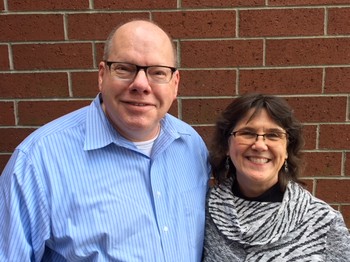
(135, 107)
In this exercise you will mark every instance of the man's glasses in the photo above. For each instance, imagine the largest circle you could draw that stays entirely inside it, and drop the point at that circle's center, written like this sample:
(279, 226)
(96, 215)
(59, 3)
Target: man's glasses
(246, 136)
(155, 74)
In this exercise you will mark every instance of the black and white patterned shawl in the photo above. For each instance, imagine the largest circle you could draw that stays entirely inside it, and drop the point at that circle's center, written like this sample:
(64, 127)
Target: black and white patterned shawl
(301, 228)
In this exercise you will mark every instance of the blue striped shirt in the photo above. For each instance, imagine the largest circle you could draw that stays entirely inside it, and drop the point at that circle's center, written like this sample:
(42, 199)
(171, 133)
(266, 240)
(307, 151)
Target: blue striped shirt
(76, 190)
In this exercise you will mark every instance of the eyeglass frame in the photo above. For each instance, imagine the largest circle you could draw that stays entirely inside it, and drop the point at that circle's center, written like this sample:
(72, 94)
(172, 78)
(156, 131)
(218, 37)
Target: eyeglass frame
(233, 133)
(145, 68)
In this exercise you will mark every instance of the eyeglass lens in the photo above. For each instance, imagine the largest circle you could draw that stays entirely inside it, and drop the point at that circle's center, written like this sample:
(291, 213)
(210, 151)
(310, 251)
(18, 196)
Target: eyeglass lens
(156, 74)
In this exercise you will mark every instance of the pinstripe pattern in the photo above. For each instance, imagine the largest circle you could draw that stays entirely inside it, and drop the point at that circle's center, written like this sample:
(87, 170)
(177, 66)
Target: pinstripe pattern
(76, 190)
(298, 229)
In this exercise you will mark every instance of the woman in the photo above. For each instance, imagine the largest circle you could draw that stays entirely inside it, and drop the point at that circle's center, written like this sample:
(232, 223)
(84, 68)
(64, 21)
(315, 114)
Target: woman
(258, 210)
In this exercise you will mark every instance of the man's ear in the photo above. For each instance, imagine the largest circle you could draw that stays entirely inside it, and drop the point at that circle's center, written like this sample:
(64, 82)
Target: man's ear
(176, 83)
(101, 72)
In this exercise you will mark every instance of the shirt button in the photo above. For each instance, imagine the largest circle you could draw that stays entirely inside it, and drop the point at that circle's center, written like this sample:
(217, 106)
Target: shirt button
(158, 194)
(165, 228)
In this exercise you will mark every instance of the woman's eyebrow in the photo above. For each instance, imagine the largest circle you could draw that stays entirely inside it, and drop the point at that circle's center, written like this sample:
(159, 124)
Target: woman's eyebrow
(272, 129)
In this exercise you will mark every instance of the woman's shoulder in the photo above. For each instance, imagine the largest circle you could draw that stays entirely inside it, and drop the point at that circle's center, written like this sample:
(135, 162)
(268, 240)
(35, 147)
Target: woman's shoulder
(314, 205)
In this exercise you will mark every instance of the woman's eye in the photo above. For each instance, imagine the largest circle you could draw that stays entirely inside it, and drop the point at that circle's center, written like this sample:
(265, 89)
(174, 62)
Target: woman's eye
(273, 136)
(247, 134)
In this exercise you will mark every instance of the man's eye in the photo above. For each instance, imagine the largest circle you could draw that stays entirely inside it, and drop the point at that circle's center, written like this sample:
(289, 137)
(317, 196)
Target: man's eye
(123, 68)
(158, 72)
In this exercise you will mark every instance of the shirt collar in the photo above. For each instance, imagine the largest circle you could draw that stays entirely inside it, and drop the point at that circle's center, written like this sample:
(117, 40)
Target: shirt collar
(100, 132)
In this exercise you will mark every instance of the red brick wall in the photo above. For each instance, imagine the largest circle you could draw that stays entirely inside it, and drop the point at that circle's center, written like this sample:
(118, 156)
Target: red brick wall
(298, 49)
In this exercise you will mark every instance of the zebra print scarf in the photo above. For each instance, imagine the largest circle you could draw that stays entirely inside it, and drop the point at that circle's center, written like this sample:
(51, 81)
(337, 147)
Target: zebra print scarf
(298, 229)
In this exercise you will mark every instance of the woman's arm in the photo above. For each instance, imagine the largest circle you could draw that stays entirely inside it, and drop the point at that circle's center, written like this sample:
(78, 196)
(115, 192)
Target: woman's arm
(338, 241)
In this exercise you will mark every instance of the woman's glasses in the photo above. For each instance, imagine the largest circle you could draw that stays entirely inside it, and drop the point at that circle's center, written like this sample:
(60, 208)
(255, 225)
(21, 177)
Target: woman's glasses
(246, 136)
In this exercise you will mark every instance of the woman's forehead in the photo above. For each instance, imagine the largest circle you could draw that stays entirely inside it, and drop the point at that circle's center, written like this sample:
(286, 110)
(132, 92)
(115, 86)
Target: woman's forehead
(258, 116)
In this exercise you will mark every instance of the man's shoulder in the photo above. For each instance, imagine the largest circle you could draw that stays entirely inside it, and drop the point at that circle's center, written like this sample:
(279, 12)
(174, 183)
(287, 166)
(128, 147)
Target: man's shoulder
(58, 127)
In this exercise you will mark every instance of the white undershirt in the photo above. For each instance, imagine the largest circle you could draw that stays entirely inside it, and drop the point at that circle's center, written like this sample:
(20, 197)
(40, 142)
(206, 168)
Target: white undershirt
(146, 146)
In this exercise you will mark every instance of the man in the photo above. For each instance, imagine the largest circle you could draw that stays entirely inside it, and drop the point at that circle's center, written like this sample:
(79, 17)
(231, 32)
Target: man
(119, 180)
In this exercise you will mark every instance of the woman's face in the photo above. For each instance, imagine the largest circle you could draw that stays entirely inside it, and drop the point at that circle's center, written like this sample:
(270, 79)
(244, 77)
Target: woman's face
(259, 159)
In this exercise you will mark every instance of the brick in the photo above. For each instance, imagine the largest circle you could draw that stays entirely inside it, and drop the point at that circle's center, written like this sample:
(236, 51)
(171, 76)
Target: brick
(3, 161)
(14, 136)
(221, 3)
(135, 4)
(347, 164)
(102, 23)
(31, 27)
(308, 184)
(281, 81)
(206, 132)
(221, 53)
(2, 7)
(319, 109)
(326, 51)
(325, 164)
(99, 52)
(84, 84)
(345, 210)
(34, 85)
(35, 113)
(193, 24)
(306, 2)
(335, 206)
(7, 114)
(334, 137)
(337, 80)
(29, 5)
(309, 133)
(207, 83)
(52, 56)
(338, 21)
(281, 22)
(4, 55)
(203, 111)
(333, 190)
(174, 109)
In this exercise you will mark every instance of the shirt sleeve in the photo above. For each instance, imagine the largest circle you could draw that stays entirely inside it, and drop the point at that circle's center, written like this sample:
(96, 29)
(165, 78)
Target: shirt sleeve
(24, 224)
(338, 241)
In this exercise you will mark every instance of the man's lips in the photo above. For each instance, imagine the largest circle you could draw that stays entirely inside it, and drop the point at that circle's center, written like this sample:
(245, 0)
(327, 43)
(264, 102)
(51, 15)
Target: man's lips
(138, 107)
(138, 104)
(141, 104)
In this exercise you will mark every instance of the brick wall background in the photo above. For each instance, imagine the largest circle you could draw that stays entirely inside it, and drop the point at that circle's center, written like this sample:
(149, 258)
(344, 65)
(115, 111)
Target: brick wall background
(298, 49)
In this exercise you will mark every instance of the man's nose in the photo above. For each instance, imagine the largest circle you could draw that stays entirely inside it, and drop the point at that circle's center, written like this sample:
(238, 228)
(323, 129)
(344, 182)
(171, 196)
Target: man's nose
(140, 82)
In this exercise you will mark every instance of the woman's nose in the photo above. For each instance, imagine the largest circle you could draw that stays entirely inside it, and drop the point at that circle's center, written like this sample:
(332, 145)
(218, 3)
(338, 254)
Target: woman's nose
(260, 143)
